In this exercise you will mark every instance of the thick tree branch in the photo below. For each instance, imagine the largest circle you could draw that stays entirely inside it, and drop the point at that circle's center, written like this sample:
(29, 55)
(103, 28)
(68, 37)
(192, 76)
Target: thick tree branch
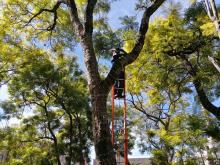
(53, 10)
(85, 35)
(197, 82)
(142, 31)
(75, 18)
(209, 106)
(89, 16)
(120, 64)
(88, 47)
(200, 91)
(208, 10)
(214, 9)
(204, 99)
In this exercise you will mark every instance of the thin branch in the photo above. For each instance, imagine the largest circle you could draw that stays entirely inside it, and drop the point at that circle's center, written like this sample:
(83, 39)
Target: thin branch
(36, 140)
(192, 48)
(151, 117)
(53, 10)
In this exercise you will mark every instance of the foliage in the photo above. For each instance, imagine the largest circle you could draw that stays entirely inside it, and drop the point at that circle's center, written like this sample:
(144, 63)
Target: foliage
(161, 88)
(53, 90)
(45, 81)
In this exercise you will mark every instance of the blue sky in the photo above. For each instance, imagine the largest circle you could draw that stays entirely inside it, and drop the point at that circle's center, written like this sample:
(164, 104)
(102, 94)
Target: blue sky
(122, 8)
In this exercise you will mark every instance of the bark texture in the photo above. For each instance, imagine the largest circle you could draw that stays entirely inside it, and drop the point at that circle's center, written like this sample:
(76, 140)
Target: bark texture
(98, 88)
(204, 99)
(101, 132)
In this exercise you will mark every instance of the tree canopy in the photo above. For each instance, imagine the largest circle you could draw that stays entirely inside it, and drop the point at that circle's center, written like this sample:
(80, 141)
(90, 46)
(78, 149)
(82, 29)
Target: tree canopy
(172, 82)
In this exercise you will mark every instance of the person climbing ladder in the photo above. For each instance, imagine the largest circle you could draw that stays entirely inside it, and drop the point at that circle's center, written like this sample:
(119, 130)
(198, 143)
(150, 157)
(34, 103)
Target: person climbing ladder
(118, 91)
(119, 83)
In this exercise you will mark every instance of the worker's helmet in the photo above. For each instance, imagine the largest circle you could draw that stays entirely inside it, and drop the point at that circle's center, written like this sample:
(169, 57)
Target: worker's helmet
(114, 51)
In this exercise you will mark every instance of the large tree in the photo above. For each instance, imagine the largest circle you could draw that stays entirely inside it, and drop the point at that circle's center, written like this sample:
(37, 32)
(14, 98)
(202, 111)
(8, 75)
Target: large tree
(162, 88)
(176, 55)
(49, 16)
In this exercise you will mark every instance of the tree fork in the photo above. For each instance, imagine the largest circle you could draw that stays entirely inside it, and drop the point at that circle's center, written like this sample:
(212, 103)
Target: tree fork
(101, 132)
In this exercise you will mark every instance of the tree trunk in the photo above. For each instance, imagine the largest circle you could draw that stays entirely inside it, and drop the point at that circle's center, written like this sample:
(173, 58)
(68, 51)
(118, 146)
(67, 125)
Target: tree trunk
(217, 27)
(214, 62)
(101, 131)
(55, 142)
(82, 158)
(213, 15)
(70, 138)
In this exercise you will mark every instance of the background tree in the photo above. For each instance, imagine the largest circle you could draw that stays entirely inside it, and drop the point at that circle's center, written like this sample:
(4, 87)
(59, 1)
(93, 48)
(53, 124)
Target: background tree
(162, 88)
(54, 92)
(181, 48)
